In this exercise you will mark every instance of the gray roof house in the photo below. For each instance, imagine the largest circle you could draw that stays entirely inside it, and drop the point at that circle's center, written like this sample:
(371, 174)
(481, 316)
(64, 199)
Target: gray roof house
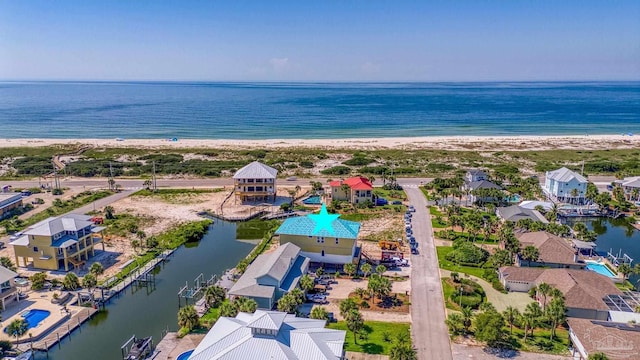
(255, 181)
(270, 335)
(7, 285)
(515, 212)
(271, 275)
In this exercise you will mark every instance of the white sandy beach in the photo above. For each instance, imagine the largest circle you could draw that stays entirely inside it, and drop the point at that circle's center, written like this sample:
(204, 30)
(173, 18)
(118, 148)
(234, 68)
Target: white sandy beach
(496, 143)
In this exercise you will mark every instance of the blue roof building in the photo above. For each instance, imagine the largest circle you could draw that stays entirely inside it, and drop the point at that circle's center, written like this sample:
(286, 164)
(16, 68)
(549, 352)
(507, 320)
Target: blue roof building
(322, 237)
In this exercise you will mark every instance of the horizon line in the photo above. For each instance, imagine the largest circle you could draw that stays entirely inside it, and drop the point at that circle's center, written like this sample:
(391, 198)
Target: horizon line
(314, 81)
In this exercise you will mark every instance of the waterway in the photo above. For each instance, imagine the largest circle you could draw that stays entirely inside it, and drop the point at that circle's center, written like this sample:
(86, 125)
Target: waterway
(614, 235)
(142, 312)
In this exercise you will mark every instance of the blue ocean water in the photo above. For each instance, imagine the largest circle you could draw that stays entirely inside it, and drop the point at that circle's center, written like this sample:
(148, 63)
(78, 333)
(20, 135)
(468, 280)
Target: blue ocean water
(314, 110)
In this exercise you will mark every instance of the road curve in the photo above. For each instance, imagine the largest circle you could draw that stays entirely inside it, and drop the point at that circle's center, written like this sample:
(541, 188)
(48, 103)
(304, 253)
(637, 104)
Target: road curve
(429, 332)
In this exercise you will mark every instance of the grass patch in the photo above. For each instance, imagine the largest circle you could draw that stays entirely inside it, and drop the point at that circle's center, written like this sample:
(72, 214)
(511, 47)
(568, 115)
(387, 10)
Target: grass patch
(178, 196)
(449, 265)
(434, 211)
(626, 285)
(390, 195)
(373, 341)
(254, 229)
(125, 224)
(540, 342)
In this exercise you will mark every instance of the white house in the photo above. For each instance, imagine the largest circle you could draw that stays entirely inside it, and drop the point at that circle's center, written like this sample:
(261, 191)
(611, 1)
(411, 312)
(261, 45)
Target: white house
(631, 187)
(255, 181)
(565, 186)
(474, 175)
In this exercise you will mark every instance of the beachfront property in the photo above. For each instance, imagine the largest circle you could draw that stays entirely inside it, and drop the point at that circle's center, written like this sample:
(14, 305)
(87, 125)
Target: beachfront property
(62, 242)
(585, 292)
(631, 187)
(553, 251)
(355, 190)
(271, 275)
(566, 186)
(322, 237)
(270, 335)
(9, 202)
(473, 175)
(8, 290)
(617, 340)
(514, 213)
(255, 182)
(471, 187)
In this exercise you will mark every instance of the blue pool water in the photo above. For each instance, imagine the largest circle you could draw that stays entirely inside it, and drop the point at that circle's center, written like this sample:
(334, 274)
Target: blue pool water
(515, 198)
(185, 355)
(33, 317)
(600, 269)
(312, 200)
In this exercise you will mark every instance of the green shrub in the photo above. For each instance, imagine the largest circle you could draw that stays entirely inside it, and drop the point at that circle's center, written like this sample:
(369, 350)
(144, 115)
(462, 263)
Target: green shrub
(468, 253)
(337, 170)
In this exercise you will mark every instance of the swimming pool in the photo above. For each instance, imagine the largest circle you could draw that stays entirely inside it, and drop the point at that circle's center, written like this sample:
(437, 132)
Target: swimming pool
(185, 355)
(33, 318)
(515, 198)
(600, 268)
(312, 200)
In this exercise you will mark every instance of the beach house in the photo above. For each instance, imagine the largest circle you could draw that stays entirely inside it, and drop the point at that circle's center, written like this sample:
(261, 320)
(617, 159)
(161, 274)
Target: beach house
(356, 190)
(9, 202)
(631, 187)
(553, 251)
(255, 182)
(8, 289)
(271, 275)
(566, 186)
(62, 242)
(322, 237)
(514, 213)
(474, 175)
(270, 335)
(586, 292)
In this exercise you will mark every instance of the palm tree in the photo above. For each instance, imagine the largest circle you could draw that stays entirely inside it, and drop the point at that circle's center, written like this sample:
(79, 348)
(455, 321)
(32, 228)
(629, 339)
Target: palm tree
(574, 196)
(625, 269)
(306, 283)
(544, 289)
(530, 253)
(635, 193)
(188, 317)
(598, 356)
(71, 281)
(246, 305)
(147, 184)
(381, 269)
(556, 313)
(366, 269)
(467, 316)
(552, 214)
(511, 315)
(17, 328)
(402, 351)
(214, 296)
(349, 268)
(319, 313)
(109, 212)
(355, 323)
(89, 282)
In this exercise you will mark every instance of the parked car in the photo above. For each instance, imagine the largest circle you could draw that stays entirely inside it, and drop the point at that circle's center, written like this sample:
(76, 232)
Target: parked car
(396, 202)
(414, 251)
(400, 262)
(411, 208)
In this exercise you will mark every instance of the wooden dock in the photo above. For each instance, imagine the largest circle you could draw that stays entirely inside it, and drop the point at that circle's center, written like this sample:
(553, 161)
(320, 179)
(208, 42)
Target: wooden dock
(63, 330)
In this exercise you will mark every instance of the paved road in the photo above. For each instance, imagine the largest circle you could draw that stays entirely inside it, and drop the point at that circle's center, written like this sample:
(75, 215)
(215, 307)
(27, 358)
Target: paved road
(430, 334)
(96, 205)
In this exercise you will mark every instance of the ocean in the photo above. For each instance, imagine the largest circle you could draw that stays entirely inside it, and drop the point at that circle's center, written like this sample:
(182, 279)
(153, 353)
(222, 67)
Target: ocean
(194, 110)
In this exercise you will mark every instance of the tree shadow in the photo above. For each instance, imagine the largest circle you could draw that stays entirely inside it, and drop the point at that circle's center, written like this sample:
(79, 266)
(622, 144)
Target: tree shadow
(372, 348)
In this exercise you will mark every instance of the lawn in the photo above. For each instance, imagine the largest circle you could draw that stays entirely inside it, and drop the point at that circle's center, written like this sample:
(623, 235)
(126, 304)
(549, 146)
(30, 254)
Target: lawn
(390, 195)
(449, 265)
(541, 342)
(378, 338)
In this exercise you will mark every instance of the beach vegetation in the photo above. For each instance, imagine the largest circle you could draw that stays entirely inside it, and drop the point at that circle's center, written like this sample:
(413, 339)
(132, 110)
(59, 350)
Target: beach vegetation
(38, 280)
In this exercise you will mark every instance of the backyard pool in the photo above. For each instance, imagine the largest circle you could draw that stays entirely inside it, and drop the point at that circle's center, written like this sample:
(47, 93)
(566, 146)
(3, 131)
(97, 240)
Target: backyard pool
(600, 268)
(515, 198)
(312, 200)
(185, 355)
(33, 318)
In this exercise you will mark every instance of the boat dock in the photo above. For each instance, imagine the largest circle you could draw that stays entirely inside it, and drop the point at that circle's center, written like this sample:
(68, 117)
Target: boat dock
(63, 330)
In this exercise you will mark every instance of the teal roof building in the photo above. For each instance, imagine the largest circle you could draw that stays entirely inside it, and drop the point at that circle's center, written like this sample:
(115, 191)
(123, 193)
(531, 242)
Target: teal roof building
(322, 224)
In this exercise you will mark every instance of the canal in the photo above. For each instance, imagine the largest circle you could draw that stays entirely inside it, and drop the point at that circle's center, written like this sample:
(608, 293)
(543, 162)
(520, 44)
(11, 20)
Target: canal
(614, 235)
(144, 313)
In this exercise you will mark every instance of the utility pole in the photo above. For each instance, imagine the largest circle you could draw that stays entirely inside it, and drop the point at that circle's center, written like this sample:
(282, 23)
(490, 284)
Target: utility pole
(110, 176)
(55, 176)
(153, 177)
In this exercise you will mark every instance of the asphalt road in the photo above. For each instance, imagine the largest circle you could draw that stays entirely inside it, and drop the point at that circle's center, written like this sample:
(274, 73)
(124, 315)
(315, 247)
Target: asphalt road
(98, 204)
(429, 332)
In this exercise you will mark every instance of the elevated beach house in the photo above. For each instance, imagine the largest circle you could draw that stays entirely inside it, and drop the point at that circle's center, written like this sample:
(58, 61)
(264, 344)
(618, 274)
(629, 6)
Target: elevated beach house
(566, 186)
(270, 335)
(587, 294)
(473, 175)
(255, 182)
(631, 187)
(61, 242)
(9, 201)
(323, 237)
(476, 183)
(356, 190)
(271, 275)
(8, 289)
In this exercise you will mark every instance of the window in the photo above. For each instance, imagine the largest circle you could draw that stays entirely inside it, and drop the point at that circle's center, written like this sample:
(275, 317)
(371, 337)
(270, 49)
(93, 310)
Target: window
(337, 241)
(320, 239)
(322, 252)
(35, 249)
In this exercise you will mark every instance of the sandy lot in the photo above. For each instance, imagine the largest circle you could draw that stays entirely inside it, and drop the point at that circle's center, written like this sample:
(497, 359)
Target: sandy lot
(495, 143)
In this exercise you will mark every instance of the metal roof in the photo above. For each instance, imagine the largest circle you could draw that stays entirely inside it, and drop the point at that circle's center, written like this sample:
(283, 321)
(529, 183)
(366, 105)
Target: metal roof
(516, 212)
(55, 225)
(322, 224)
(565, 175)
(6, 275)
(286, 337)
(256, 170)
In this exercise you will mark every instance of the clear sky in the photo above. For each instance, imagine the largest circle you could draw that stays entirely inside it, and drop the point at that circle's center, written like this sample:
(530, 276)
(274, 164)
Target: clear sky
(359, 40)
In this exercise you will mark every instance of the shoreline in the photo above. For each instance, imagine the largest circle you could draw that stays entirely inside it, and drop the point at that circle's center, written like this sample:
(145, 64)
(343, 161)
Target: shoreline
(461, 143)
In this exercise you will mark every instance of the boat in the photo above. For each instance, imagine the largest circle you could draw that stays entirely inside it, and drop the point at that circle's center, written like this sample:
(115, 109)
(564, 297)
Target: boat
(140, 348)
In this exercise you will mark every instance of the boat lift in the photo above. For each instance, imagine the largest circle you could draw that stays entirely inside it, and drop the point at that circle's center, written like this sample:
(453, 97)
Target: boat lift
(620, 258)
(195, 292)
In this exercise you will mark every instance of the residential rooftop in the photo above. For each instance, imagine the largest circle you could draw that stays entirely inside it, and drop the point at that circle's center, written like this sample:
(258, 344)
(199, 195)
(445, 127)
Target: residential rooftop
(256, 170)
(322, 224)
(551, 248)
(565, 175)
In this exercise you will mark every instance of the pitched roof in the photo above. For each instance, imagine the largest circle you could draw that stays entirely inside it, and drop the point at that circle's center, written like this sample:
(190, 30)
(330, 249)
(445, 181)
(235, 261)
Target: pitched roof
(482, 184)
(295, 338)
(551, 248)
(6, 274)
(55, 225)
(322, 224)
(476, 172)
(355, 183)
(582, 289)
(633, 182)
(565, 175)
(276, 265)
(616, 340)
(516, 212)
(256, 170)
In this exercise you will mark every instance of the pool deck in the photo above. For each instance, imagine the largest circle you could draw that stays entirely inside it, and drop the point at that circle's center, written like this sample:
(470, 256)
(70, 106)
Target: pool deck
(53, 328)
(170, 347)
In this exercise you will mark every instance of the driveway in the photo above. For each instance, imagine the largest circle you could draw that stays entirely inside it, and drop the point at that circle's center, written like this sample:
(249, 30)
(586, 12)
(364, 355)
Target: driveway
(429, 332)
